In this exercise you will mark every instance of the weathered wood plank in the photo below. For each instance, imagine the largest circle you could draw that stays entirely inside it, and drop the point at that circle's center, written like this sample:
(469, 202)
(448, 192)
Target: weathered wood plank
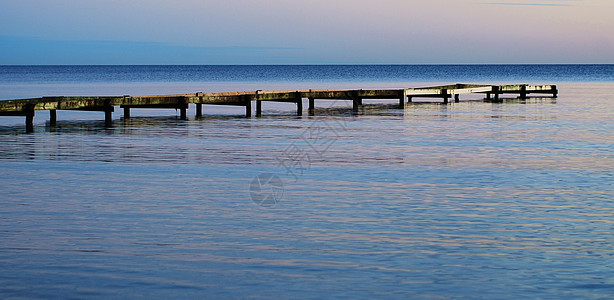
(471, 90)
(423, 92)
(381, 94)
(17, 105)
(546, 89)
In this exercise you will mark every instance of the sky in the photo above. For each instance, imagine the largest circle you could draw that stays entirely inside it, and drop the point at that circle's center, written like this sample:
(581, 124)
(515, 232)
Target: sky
(306, 32)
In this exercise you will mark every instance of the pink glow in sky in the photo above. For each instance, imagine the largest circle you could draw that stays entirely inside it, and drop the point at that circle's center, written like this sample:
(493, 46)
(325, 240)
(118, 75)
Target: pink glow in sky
(304, 32)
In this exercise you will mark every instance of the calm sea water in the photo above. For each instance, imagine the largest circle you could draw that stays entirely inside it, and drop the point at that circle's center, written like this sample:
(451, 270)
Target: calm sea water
(467, 200)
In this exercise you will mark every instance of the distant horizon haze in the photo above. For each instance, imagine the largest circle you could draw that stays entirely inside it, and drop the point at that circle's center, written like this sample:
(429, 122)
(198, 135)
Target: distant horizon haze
(274, 32)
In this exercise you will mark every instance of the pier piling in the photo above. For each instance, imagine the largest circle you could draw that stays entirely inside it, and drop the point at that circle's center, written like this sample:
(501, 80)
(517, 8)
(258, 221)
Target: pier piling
(199, 104)
(183, 107)
(311, 106)
(29, 112)
(555, 91)
(258, 108)
(126, 108)
(299, 104)
(248, 106)
(356, 102)
(199, 110)
(495, 91)
(108, 117)
(523, 91)
(53, 117)
(444, 93)
(108, 112)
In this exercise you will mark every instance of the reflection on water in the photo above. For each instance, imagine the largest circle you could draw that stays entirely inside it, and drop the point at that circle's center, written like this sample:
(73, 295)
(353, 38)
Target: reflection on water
(474, 199)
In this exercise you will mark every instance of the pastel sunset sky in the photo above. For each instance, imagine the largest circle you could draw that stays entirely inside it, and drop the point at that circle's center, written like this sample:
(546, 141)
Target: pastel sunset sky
(306, 32)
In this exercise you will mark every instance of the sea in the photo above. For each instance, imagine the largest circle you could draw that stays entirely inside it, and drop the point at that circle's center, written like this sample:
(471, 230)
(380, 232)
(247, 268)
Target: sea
(471, 200)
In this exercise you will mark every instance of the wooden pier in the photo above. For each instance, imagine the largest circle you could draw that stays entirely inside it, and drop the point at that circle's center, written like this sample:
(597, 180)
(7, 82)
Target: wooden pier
(107, 104)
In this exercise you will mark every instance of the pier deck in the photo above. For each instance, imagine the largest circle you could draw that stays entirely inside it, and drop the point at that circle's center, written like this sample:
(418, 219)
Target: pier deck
(107, 104)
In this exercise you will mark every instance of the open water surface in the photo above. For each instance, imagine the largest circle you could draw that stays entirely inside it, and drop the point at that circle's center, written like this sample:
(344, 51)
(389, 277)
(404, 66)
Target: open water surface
(467, 200)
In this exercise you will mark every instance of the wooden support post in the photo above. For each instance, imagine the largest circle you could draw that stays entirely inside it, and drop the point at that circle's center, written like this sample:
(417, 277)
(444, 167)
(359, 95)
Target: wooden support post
(356, 102)
(495, 90)
(108, 113)
(409, 99)
(299, 104)
(456, 98)
(248, 106)
(126, 113)
(199, 105)
(402, 102)
(29, 110)
(258, 108)
(53, 117)
(488, 95)
(183, 108)
(108, 117)
(523, 91)
(199, 110)
(444, 93)
(312, 108)
(555, 91)
(126, 108)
